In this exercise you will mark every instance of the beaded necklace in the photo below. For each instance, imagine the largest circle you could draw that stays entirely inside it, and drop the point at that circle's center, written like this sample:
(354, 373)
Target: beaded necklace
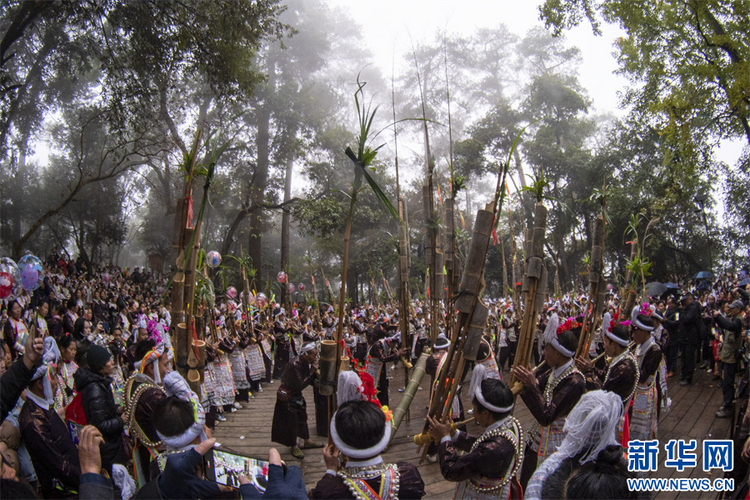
(553, 381)
(505, 430)
(627, 355)
(355, 477)
(131, 403)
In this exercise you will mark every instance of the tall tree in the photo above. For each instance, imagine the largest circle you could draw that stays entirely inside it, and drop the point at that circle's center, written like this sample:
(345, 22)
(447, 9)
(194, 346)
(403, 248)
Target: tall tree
(688, 62)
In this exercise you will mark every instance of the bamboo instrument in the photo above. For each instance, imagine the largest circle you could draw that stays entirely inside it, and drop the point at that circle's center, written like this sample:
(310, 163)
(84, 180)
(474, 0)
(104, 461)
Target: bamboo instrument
(331, 296)
(406, 362)
(424, 438)
(596, 359)
(534, 286)
(411, 390)
(595, 292)
(469, 314)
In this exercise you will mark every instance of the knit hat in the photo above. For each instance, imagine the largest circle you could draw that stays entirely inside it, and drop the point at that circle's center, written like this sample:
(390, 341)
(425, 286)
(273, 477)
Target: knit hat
(737, 304)
(97, 357)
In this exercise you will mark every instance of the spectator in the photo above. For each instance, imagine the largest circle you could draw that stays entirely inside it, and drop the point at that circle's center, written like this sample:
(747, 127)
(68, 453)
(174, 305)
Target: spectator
(732, 341)
(98, 402)
(52, 451)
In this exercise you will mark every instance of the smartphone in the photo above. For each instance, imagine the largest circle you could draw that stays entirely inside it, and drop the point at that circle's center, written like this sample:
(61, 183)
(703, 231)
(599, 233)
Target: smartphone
(225, 468)
(74, 429)
(677, 317)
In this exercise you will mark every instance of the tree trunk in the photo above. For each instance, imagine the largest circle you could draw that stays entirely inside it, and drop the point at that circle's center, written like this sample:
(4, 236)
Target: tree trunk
(285, 221)
(260, 177)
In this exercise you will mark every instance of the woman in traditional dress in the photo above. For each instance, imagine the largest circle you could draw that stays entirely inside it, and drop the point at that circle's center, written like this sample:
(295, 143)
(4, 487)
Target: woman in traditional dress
(360, 431)
(15, 331)
(644, 410)
(41, 323)
(590, 439)
(239, 366)
(68, 350)
(488, 468)
(54, 321)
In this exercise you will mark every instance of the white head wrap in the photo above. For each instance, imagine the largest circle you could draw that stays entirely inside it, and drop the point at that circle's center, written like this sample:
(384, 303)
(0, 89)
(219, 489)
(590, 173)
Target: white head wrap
(590, 427)
(350, 389)
(175, 385)
(475, 389)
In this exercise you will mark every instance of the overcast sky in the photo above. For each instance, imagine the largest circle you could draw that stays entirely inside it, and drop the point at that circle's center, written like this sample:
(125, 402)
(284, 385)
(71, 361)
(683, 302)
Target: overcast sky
(395, 23)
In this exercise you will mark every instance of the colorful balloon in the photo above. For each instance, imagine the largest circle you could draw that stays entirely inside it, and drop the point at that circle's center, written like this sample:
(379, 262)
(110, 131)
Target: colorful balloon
(105, 277)
(32, 272)
(281, 277)
(301, 287)
(213, 259)
(232, 292)
(291, 288)
(10, 278)
(261, 300)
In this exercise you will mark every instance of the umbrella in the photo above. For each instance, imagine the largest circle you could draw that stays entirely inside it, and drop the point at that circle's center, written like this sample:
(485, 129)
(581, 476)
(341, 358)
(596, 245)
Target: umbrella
(655, 288)
(744, 282)
(704, 275)
(672, 289)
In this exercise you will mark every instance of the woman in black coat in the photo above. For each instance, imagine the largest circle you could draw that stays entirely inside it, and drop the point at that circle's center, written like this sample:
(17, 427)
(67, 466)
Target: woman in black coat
(98, 402)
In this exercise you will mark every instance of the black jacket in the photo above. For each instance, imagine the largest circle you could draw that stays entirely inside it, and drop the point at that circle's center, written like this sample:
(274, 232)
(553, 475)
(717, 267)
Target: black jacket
(13, 382)
(100, 409)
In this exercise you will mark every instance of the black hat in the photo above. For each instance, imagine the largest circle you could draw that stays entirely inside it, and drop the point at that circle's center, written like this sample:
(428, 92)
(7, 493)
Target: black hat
(97, 357)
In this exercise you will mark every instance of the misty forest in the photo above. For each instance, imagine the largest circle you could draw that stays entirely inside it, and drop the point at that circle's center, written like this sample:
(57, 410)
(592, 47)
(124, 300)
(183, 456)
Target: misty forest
(268, 123)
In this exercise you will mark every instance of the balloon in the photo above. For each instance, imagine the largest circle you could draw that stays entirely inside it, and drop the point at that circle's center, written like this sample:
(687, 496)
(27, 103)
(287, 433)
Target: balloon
(261, 300)
(291, 288)
(251, 299)
(29, 278)
(32, 272)
(105, 277)
(213, 258)
(10, 278)
(231, 292)
(301, 287)
(281, 277)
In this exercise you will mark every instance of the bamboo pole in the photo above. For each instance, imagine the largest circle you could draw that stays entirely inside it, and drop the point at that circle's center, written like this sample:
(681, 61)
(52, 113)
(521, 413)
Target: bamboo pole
(536, 272)
(402, 410)
(596, 287)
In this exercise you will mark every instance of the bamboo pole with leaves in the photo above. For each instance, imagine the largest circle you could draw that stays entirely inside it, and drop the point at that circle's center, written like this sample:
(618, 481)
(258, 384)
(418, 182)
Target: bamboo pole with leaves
(432, 255)
(184, 282)
(535, 280)
(403, 251)
(362, 161)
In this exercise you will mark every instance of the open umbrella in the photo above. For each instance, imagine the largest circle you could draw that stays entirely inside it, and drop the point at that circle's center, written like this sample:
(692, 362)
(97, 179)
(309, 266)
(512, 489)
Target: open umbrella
(672, 289)
(704, 275)
(744, 282)
(655, 288)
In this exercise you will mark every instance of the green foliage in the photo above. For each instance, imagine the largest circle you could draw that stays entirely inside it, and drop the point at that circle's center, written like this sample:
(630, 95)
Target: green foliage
(365, 153)
(538, 187)
(688, 61)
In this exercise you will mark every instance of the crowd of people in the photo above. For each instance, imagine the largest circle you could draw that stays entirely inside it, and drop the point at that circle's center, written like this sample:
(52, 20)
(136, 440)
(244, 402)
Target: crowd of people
(92, 405)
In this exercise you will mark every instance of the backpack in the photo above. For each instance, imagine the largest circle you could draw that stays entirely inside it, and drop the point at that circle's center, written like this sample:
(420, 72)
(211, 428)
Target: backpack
(74, 411)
